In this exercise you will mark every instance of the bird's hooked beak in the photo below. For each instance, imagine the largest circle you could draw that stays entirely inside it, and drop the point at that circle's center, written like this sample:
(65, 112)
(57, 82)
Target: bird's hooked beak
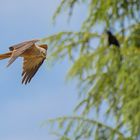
(45, 46)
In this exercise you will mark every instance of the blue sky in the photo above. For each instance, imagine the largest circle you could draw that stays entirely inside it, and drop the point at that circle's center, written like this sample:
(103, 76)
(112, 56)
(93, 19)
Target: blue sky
(24, 108)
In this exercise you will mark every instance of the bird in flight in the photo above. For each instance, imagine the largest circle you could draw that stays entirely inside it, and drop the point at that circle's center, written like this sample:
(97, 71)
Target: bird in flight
(112, 40)
(33, 56)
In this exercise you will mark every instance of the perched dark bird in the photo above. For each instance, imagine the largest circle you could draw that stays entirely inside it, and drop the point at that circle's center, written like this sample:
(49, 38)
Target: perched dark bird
(33, 57)
(112, 40)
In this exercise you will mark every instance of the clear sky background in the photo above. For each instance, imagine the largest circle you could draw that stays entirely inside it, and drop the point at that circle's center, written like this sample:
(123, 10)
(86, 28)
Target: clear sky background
(24, 108)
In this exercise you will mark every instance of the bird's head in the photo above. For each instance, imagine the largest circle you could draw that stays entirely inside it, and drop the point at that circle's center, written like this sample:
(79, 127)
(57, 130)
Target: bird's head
(108, 32)
(45, 46)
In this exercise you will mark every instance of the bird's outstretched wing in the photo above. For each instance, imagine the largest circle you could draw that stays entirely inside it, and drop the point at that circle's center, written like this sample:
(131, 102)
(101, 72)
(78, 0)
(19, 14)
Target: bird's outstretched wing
(30, 67)
(17, 46)
(19, 49)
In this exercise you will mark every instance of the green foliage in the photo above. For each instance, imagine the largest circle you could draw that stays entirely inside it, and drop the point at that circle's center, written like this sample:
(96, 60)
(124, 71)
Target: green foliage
(106, 74)
(135, 36)
(83, 128)
(107, 12)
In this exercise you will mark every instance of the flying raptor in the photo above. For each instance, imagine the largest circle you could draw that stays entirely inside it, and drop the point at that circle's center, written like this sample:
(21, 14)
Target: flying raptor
(33, 57)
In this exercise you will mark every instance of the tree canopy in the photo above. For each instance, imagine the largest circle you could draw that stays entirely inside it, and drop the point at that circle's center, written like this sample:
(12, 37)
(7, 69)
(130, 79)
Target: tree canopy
(109, 87)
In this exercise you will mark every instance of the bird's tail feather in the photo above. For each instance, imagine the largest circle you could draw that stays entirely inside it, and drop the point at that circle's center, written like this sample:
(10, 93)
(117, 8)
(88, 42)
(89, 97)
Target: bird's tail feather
(6, 55)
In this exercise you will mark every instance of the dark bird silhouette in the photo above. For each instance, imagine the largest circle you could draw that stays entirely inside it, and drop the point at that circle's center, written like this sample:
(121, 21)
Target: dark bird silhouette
(33, 56)
(112, 40)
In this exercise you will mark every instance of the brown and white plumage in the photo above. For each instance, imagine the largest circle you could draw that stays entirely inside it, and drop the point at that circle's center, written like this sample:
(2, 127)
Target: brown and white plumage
(33, 57)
